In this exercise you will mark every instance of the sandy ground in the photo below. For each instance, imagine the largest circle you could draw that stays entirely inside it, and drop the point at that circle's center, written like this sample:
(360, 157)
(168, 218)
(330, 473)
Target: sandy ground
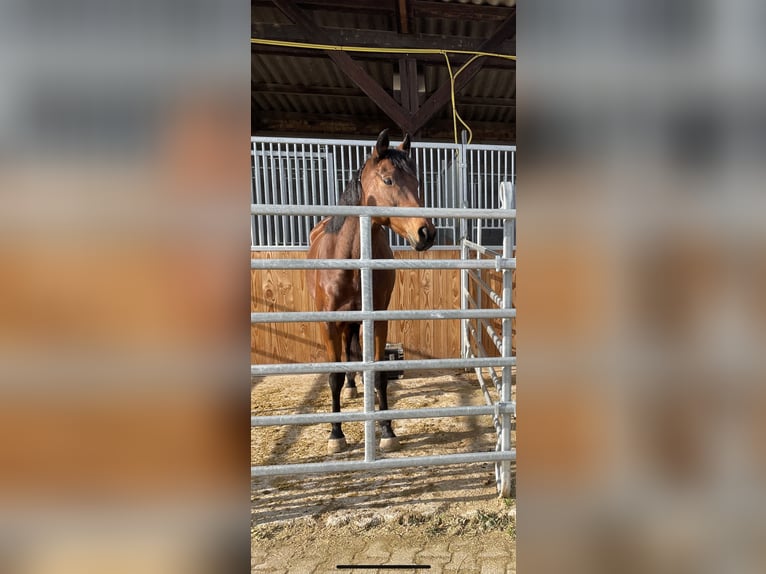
(445, 516)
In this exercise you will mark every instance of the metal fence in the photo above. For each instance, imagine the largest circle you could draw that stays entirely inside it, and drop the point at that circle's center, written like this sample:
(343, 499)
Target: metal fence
(473, 327)
(502, 409)
(308, 172)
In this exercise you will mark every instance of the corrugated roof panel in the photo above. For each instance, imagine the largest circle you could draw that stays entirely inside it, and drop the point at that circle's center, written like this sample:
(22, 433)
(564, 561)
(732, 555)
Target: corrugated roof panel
(270, 14)
(508, 3)
(354, 20)
(451, 27)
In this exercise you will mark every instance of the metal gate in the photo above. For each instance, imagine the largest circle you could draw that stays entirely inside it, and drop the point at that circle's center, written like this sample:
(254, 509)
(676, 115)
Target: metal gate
(456, 218)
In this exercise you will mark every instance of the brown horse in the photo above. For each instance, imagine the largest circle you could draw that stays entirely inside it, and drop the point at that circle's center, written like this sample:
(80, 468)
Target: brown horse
(387, 178)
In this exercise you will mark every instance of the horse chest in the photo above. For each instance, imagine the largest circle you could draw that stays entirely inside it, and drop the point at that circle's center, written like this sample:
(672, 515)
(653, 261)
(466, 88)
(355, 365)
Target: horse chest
(349, 295)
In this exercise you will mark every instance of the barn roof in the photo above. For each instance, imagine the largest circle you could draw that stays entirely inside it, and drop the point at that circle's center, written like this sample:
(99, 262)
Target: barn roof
(311, 91)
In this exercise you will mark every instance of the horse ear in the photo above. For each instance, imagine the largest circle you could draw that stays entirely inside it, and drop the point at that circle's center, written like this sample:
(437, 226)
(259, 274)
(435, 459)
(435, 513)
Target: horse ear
(381, 146)
(405, 145)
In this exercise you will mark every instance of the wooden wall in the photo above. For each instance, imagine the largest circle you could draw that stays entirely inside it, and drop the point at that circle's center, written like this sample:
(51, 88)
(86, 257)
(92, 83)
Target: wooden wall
(285, 290)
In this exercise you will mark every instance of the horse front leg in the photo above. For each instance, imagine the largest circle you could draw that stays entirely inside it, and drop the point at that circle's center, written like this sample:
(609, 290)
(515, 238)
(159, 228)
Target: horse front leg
(353, 353)
(388, 440)
(332, 336)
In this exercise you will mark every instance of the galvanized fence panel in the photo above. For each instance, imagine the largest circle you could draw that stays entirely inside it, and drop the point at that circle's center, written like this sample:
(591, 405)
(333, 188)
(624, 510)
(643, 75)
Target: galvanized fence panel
(473, 326)
(503, 409)
(298, 172)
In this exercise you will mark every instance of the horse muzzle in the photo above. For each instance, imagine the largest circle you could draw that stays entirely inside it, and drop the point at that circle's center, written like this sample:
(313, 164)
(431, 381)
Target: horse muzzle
(426, 237)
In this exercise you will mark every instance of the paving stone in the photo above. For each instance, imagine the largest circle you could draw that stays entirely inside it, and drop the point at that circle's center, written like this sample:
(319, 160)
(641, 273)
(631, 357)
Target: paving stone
(462, 562)
(493, 566)
(404, 555)
(275, 563)
(270, 568)
(495, 553)
(376, 549)
(436, 550)
(305, 565)
(435, 561)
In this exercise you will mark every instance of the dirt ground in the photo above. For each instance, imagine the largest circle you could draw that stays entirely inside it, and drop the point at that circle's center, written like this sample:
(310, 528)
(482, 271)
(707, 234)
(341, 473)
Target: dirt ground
(449, 517)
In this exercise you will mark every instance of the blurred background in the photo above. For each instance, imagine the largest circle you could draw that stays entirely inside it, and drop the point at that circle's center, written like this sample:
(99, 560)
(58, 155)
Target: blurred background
(641, 282)
(642, 271)
(124, 341)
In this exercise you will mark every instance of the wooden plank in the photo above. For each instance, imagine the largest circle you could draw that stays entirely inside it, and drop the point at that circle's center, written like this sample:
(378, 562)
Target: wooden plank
(508, 47)
(369, 86)
(374, 6)
(408, 77)
(301, 90)
(348, 66)
(264, 122)
(405, 17)
(278, 291)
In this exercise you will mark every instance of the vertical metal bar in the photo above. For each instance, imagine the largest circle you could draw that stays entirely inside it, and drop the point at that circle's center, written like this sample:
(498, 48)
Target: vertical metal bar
(464, 343)
(343, 177)
(428, 175)
(305, 222)
(505, 166)
(462, 185)
(463, 182)
(258, 193)
(310, 187)
(368, 336)
(495, 182)
(505, 438)
(290, 168)
(330, 177)
(324, 167)
(270, 189)
(284, 159)
(513, 169)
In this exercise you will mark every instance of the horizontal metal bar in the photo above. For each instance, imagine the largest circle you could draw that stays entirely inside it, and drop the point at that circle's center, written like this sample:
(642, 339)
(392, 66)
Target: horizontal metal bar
(480, 248)
(358, 210)
(358, 366)
(299, 316)
(384, 463)
(370, 143)
(355, 416)
(294, 248)
(498, 300)
(496, 264)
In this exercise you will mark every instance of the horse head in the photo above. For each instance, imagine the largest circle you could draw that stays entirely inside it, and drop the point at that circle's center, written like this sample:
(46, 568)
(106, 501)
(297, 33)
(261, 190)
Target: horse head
(389, 179)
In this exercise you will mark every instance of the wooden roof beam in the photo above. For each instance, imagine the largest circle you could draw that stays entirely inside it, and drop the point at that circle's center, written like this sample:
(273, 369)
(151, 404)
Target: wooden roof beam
(443, 94)
(455, 10)
(405, 17)
(354, 71)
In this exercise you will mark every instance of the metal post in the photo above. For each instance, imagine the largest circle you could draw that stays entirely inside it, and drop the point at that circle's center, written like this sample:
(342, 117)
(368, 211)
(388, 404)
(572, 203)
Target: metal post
(464, 253)
(464, 345)
(505, 438)
(463, 181)
(368, 336)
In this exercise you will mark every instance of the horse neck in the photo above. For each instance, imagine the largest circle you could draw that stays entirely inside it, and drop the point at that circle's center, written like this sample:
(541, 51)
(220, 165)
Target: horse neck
(347, 245)
(350, 246)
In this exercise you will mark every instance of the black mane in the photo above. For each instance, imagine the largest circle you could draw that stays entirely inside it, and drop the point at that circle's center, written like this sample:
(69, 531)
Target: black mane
(352, 195)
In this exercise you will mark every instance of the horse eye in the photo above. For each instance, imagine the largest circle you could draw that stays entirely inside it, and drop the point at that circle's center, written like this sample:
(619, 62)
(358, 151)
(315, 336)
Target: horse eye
(388, 181)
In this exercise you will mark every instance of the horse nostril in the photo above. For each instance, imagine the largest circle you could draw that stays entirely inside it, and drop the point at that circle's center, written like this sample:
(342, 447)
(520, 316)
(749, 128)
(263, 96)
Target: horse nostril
(426, 234)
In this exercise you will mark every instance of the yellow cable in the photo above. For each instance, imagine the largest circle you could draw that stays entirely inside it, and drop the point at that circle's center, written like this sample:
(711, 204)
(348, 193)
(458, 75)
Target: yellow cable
(329, 47)
(335, 48)
(452, 97)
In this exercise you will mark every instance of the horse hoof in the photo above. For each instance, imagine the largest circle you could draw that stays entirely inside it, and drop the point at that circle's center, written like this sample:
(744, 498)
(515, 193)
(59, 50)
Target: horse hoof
(336, 445)
(349, 393)
(389, 444)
